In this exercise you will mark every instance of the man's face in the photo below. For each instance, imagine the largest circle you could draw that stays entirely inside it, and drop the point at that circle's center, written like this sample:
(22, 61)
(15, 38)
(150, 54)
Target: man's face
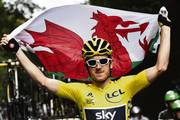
(100, 71)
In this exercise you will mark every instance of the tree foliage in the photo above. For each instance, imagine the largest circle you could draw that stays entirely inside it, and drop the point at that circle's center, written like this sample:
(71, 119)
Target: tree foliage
(12, 15)
(15, 14)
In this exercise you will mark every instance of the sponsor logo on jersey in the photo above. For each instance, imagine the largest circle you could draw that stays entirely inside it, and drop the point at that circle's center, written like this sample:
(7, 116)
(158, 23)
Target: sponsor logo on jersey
(113, 113)
(89, 98)
(90, 94)
(114, 97)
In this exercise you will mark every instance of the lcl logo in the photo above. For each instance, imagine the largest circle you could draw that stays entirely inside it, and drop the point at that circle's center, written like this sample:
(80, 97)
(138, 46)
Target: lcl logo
(113, 97)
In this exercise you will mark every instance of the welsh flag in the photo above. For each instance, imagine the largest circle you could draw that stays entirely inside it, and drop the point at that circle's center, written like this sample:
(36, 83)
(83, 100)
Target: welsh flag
(56, 36)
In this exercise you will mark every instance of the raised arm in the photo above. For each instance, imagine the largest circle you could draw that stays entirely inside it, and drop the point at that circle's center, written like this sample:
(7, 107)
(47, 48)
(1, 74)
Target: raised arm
(32, 69)
(164, 49)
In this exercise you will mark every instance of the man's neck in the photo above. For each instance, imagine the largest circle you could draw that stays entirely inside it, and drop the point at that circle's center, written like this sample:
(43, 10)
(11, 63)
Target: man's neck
(101, 84)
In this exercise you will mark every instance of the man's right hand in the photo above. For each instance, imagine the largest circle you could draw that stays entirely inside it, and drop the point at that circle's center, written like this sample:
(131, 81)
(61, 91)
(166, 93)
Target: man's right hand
(10, 45)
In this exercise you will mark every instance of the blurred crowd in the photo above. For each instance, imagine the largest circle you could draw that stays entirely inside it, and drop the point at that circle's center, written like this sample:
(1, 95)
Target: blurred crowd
(171, 111)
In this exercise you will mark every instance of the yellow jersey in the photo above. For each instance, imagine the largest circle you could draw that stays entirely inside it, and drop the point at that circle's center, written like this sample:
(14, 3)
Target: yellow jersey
(110, 103)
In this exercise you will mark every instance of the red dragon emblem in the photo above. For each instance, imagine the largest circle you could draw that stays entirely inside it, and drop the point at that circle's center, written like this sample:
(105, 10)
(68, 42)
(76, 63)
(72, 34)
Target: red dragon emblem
(66, 46)
(106, 28)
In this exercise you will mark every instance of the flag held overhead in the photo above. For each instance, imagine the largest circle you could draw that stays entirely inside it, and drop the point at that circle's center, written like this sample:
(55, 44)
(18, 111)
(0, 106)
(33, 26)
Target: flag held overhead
(57, 35)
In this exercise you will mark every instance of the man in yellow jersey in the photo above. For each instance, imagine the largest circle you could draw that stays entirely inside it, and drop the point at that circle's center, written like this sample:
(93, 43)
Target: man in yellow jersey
(103, 99)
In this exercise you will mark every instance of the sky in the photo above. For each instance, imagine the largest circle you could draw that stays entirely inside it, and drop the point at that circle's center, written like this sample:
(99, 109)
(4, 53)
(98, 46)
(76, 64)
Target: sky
(53, 3)
(50, 3)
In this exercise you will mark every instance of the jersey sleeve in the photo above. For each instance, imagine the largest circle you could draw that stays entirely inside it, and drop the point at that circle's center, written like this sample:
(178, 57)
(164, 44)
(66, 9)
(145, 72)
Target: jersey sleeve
(69, 90)
(136, 82)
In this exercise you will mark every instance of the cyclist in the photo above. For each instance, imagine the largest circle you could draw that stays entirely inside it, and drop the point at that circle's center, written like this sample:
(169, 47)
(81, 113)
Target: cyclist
(103, 98)
(169, 97)
(175, 106)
